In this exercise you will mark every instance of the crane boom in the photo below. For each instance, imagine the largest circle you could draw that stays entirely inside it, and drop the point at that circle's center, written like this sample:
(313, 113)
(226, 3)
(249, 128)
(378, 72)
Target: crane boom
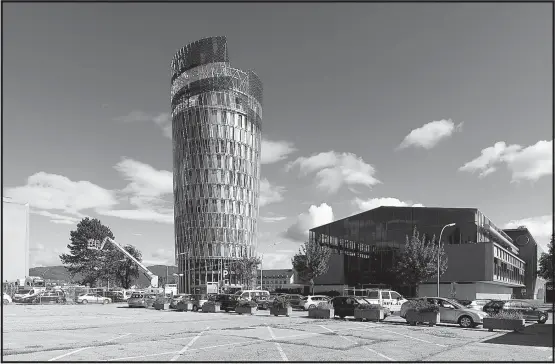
(153, 278)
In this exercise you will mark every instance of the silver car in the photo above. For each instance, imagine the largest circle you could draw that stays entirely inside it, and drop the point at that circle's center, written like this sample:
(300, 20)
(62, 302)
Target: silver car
(451, 312)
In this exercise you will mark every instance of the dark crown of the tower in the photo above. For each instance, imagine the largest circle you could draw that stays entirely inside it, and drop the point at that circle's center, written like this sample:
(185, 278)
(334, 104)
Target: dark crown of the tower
(202, 51)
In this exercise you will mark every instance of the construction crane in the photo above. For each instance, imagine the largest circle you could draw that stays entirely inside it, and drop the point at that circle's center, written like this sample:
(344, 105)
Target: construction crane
(98, 245)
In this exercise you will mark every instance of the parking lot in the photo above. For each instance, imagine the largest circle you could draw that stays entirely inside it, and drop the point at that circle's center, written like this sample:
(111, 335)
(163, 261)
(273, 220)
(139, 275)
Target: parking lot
(117, 333)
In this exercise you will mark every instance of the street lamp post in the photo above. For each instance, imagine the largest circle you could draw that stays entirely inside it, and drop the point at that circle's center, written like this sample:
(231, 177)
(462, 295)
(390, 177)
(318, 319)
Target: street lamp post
(438, 251)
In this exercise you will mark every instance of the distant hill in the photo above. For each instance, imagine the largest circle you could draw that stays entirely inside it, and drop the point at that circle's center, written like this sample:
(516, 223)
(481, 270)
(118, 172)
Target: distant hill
(60, 273)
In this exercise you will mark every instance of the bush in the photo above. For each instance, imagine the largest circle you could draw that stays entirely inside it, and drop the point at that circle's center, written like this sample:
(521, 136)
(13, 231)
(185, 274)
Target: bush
(504, 315)
(246, 303)
(423, 306)
(281, 302)
(325, 306)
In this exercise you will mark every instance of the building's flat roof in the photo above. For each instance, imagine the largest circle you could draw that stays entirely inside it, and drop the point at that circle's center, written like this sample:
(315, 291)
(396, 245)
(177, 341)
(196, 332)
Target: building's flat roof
(398, 208)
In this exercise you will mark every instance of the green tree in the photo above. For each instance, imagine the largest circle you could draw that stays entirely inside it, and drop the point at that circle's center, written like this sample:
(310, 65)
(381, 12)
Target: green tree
(90, 265)
(546, 263)
(121, 268)
(417, 262)
(312, 261)
(245, 270)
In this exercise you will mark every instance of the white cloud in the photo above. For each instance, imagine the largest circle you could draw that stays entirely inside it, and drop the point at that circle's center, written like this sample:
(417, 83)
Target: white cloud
(372, 203)
(316, 216)
(541, 228)
(163, 120)
(277, 260)
(272, 218)
(275, 151)
(269, 193)
(44, 191)
(428, 135)
(41, 256)
(164, 216)
(57, 218)
(334, 170)
(530, 163)
(161, 257)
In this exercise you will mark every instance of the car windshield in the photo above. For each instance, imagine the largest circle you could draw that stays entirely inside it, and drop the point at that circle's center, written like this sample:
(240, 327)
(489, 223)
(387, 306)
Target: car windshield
(24, 291)
(361, 300)
(455, 304)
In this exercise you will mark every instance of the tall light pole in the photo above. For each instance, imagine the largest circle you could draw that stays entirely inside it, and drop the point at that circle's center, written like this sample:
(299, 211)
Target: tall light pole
(438, 251)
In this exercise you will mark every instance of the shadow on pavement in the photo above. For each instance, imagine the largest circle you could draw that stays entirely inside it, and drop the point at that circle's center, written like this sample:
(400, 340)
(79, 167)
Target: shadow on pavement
(533, 335)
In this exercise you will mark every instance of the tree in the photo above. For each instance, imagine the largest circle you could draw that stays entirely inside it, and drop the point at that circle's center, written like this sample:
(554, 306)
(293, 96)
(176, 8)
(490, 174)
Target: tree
(89, 264)
(312, 261)
(245, 269)
(417, 262)
(122, 269)
(546, 262)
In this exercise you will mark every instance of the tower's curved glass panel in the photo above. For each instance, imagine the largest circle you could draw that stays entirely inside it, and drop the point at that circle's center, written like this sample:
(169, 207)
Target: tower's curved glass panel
(216, 119)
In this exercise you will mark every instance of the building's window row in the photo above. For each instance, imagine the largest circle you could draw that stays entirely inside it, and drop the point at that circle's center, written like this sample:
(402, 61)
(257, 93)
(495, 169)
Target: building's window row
(233, 100)
(223, 219)
(215, 178)
(216, 163)
(215, 248)
(208, 207)
(217, 132)
(216, 147)
(506, 273)
(219, 191)
(506, 257)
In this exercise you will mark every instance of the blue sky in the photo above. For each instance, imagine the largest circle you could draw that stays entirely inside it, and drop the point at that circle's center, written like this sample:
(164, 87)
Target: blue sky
(364, 104)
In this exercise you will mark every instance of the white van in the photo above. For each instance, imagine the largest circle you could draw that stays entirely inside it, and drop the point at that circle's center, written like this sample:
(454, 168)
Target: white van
(390, 299)
(249, 295)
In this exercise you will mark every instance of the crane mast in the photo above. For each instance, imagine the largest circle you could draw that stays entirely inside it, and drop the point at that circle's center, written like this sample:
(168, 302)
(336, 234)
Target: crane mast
(151, 276)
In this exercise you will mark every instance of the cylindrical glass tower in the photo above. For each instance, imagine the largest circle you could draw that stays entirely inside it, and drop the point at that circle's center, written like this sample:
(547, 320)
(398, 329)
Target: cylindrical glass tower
(216, 119)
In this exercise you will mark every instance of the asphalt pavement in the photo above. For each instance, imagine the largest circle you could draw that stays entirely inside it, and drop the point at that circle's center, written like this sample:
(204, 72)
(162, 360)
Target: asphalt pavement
(117, 333)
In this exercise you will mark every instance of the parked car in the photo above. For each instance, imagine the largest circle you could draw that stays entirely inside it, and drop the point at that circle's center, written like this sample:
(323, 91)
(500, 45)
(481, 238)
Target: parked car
(477, 304)
(451, 312)
(463, 302)
(386, 298)
(93, 298)
(24, 293)
(313, 301)
(345, 305)
(198, 301)
(529, 311)
(265, 302)
(6, 299)
(141, 300)
(178, 298)
(295, 300)
(228, 302)
(45, 297)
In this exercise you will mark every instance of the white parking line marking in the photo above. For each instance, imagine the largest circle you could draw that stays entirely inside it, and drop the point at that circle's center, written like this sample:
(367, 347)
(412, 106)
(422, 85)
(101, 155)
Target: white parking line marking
(86, 347)
(364, 347)
(278, 346)
(398, 333)
(186, 347)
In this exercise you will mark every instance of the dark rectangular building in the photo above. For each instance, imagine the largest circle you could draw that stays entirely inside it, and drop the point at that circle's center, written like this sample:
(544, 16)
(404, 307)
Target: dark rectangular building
(483, 260)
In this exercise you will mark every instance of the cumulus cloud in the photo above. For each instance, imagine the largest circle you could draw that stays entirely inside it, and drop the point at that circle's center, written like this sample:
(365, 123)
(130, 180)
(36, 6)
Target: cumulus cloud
(272, 218)
(275, 151)
(333, 170)
(277, 260)
(372, 203)
(529, 163)
(316, 216)
(430, 134)
(162, 120)
(149, 191)
(161, 256)
(269, 193)
(541, 228)
(51, 192)
(57, 218)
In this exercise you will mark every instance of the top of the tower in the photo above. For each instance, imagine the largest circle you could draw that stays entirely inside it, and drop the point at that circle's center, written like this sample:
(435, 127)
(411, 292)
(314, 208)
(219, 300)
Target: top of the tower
(202, 51)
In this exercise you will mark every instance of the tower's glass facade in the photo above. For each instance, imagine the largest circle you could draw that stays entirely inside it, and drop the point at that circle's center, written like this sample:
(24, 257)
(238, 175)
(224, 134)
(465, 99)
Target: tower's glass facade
(216, 120)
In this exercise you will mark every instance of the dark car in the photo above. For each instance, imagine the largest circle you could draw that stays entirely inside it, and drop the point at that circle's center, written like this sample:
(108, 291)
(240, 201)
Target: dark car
(345, 305)
(465, 303)
(530, 312)
(46, 297)
(228, 302)
(295, 300)
(265, 302)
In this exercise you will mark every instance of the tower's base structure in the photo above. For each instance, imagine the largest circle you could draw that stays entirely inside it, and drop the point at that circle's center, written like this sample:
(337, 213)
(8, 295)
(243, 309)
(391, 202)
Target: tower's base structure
(216, 121)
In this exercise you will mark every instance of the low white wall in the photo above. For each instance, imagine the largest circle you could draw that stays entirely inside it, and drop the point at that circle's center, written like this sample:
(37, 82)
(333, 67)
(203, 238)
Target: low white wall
(473, 291)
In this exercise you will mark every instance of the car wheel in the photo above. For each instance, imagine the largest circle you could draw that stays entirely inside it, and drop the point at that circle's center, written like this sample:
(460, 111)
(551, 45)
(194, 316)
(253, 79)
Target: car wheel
(5, 302)
(311, 307)
(341, 316)
(106, 302)
(84, 302)
(466, 322)
(226, 309)
(58, 300)
(542, 319)
(195, 308)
